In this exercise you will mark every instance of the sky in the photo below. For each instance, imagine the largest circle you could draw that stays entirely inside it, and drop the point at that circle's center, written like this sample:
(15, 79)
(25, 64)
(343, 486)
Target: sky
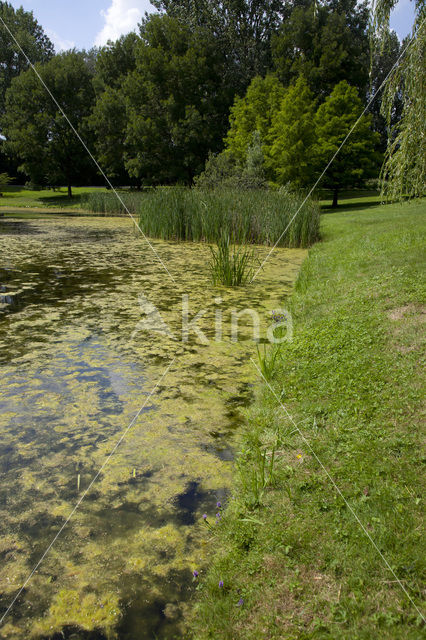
(85, 23)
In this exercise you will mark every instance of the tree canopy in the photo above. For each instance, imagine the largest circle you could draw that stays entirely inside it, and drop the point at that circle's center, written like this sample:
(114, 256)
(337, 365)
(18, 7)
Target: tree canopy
(385, 52)
(115, 61)
(358, 159)
(241, 28)
(36, 130)
(247, 77)
(253, 112)
(292, 136)
(32, 39)
(325, 42)
(175, 104)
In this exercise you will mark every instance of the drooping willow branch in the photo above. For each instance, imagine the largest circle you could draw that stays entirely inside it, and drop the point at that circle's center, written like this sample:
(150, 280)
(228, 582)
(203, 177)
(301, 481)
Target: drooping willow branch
(404, 169)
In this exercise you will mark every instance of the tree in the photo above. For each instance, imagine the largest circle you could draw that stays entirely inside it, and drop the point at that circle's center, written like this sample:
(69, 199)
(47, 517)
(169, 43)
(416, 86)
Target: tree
(242, 30)
(253, 112)
(32, 39)
(384, 54)
(108, 122)
(176, 102)
(326, 43)
(358, 159)
(253, 174)
(5, 179)
(293, 136)
(114, 62)
(36, 131)
(404, 169)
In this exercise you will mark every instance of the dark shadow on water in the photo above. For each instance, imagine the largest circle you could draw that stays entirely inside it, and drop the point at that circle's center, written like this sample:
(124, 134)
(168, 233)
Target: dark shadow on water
(186, 504)
(13, 227)
(158, 618)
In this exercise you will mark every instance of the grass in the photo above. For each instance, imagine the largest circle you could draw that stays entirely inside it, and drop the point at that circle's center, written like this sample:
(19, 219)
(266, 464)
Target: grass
(349, 199)
(18, 196)
(287, 544)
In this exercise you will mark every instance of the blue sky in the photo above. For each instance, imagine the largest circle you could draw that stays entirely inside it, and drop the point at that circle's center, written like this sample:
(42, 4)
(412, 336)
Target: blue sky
(83, 23)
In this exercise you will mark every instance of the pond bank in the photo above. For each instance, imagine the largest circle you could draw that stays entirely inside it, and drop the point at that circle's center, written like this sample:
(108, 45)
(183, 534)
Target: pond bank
(290, 560)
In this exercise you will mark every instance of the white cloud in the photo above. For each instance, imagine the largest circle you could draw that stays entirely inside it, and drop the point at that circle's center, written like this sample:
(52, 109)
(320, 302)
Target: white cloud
(60, 44)
(120, 18)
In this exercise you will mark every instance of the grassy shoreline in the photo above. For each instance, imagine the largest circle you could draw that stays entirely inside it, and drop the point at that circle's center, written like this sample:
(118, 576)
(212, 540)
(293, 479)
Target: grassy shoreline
(293, 560)
(56, 201)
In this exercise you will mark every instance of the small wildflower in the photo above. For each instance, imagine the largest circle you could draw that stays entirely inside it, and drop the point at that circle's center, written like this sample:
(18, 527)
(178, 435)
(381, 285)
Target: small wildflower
(278, 317)
(195, 573)
(218, 516)
(219, 504)
(240, 602)
(220, 584)
(204, 516)
(299, 456)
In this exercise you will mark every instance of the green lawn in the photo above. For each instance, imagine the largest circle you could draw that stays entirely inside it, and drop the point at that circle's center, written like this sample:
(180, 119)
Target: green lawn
(287, 544)
(349, 200)
(16, 196)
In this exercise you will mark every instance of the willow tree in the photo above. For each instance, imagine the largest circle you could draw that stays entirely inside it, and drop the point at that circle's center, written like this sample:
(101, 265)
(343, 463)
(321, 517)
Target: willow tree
(404, 168)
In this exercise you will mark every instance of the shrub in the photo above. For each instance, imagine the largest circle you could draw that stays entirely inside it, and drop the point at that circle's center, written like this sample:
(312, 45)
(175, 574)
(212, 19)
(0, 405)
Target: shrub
(5, 179)
(224, 172)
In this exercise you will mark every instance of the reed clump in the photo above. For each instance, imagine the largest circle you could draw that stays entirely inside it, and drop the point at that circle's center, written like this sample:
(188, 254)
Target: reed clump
(247, 216)
(250, 216)
(110, 204)
(231, 265)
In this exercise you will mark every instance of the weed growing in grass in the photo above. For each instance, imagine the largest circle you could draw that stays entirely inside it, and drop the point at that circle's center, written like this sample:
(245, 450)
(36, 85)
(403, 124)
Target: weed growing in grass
(229, 265)
(256, 467)
(267, 360)
(260, 476)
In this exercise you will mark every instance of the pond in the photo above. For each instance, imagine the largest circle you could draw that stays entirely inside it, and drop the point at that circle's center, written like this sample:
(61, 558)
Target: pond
(89, 323)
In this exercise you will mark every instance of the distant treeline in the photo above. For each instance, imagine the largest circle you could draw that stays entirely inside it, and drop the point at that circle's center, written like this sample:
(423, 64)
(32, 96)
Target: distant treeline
(198, 79)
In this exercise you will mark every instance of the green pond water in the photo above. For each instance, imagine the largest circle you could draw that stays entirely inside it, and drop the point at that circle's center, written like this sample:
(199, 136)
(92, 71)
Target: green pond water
(77, 362)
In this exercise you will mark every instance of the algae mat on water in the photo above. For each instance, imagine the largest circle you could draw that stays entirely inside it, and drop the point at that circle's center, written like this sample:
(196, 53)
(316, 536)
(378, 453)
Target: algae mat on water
(77, 362)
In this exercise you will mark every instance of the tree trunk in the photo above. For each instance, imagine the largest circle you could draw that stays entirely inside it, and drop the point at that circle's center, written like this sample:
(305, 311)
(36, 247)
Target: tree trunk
(334, 205)
(69, 191)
